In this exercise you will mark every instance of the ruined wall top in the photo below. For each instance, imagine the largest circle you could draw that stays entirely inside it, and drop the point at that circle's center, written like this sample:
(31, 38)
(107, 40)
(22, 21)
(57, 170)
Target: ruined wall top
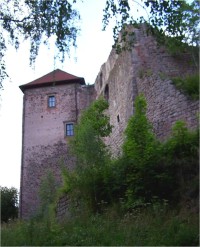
(147, 68)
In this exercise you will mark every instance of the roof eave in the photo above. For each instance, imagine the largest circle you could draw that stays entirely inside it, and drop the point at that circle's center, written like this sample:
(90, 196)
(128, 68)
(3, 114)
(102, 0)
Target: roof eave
(79, 80)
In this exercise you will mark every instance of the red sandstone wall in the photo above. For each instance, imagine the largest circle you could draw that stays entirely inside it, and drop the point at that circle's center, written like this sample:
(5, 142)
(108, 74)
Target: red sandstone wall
(147, 69)
(166, 104)
(44, 142)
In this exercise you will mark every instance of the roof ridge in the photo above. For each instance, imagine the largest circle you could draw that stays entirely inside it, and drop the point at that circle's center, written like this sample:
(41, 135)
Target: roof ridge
(56, 76)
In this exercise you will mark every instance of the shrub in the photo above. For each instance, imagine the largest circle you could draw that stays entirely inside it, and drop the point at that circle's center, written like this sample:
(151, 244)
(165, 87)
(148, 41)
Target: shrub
(188, 85)
(181, 156)
(47, 191)
(141, 150)
(140, 141)
(86, 182)
(154, 170)
(9, 203)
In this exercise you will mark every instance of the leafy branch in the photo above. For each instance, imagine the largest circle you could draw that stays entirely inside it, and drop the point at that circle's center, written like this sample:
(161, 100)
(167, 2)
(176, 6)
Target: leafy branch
(177, 19)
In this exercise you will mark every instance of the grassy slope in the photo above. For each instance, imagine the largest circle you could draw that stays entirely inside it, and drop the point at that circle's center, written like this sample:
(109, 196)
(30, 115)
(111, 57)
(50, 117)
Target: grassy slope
(156, 226)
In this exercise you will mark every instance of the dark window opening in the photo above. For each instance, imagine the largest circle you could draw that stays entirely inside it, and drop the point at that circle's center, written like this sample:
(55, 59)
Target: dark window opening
(69, 129)
(51, 101)
(118, 119)
(106, 92)
(101, 80)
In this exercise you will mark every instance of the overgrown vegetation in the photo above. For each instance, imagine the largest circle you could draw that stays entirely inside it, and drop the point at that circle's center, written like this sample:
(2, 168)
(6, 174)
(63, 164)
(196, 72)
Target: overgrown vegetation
(48, 195)
(87, 184)
(9, 203)
(148, 196)
(174, 23)
(189, 85)
(153, 227)
(145, 176)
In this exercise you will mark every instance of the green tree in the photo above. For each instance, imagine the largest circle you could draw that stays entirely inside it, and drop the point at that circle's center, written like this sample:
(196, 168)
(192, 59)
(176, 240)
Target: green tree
(178, 19)
(139, 138)
(93, 123)
(154, 169)
(9, 203)
(147, 177)
(87, 182)
(181, 152)
(47, 193)
(39, 20)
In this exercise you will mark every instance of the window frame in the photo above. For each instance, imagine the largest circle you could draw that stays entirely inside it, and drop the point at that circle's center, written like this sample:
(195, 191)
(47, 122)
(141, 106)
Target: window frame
(51, 103)
(69, 132)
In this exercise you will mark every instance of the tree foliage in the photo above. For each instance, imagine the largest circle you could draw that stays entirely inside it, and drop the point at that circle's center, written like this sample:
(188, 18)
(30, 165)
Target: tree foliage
(37, 21)
(189, 85)
(178, 19)
(86, 184)
(148, 172)
(140, 141)
(181, 153)
(141, 151)
(47, 192)
(88, 145)
(9, 203)
(158, 170)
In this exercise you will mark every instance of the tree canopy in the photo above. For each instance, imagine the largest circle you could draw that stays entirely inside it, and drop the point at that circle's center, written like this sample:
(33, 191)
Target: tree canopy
(9, 203)
(178, 19)
(87, 184)
(38, 20)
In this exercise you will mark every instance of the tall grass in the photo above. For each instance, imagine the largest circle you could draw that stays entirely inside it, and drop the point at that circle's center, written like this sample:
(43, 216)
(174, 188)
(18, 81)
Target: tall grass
(157, 218)
(155, 226)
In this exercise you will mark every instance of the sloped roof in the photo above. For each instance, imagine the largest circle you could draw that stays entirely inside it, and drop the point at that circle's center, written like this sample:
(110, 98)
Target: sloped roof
(56, 77)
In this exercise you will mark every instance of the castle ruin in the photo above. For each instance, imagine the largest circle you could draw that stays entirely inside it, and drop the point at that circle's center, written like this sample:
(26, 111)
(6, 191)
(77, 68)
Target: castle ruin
(54, 102)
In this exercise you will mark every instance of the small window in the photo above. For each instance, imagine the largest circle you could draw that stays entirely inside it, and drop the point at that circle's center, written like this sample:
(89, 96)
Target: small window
(106, 92)
(51, 101)
(118, 119)
(69, 129)
(101, 80)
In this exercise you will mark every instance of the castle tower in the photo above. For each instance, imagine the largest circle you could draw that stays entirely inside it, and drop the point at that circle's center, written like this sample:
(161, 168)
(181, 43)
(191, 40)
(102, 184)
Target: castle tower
(52, 105)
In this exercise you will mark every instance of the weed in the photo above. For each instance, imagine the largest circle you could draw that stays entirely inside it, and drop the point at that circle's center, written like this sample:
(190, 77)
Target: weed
(166, 228)
(188, 85)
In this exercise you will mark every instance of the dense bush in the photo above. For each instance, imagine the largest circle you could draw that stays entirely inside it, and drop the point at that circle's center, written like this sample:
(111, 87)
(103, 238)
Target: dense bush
(188, 85)
(9, 203)
(181, 155)
(148, 170)
(47, 195)
(141, 152)
(87, 183)
(131, 200)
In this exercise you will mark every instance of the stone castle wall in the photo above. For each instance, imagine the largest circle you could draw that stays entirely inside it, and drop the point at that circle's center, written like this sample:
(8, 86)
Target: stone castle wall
(44, 143)
(146, 69)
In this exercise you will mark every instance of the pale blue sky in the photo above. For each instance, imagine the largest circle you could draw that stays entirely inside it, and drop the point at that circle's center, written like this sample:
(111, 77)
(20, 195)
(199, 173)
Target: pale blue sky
(94, 47)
